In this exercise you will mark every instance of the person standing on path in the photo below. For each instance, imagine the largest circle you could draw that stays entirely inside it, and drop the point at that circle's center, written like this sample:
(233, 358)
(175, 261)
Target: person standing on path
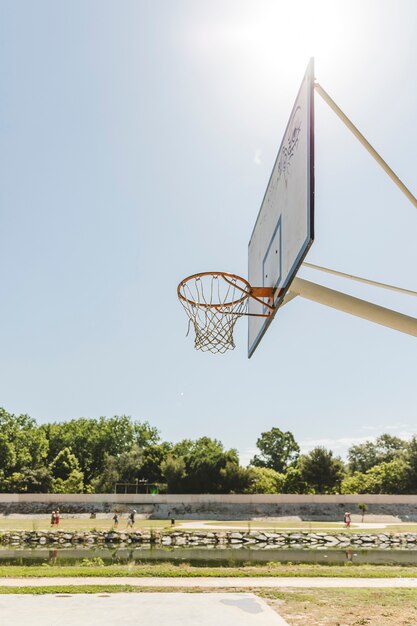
(131, 519)
(53, 518)
(347, 520)
(57, 517)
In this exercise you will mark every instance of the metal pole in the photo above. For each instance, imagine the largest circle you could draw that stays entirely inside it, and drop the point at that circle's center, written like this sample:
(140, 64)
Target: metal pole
(374, 283)
(354, 306)
(332, 104)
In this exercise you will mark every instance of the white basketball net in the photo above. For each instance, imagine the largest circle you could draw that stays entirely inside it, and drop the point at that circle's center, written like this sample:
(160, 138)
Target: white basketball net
(214, 302)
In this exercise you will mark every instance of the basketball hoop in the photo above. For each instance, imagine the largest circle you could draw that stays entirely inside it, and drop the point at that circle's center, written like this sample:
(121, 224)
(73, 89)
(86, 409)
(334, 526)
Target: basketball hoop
(214, 301)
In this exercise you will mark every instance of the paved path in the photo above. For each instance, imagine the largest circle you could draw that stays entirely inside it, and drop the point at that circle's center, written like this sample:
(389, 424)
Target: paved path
(214, 582)
(258, 526)
(132, 609)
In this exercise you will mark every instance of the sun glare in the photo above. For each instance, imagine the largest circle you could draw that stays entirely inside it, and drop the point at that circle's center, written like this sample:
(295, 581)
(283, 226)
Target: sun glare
(275, 35)
(263, 51)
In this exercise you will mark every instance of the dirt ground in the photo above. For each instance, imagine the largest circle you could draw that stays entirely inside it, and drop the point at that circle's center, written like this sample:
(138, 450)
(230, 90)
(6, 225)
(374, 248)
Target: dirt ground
(345, 607)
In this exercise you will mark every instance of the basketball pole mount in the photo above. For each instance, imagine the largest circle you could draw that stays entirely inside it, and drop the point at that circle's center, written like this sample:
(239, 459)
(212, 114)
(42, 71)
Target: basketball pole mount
(342, 301)
(332, 104)
(359, 279)
(354, 306)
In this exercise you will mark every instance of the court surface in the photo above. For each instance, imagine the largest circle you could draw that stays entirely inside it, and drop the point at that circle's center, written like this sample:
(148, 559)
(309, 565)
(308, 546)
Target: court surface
(138, 609)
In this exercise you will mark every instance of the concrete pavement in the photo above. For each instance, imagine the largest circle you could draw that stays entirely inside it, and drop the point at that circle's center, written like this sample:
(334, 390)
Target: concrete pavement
(144, 609)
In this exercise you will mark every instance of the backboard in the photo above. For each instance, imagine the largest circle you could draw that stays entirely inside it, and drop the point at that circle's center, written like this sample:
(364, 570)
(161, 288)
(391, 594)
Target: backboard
(284, 229)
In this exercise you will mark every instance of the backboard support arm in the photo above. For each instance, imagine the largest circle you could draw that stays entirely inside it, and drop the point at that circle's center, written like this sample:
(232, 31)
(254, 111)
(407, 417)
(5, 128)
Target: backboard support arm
(332, 104)
(354, 306)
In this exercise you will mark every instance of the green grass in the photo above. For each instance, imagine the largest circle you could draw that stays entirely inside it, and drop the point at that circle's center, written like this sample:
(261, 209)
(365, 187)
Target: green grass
(384, 597)
(394, 597)
(68, 589)
(185, 570)
(79, 524)
(85, 524)
(347, 607)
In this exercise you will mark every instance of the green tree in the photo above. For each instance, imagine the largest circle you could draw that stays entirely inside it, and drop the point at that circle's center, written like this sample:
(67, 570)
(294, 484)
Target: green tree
(93, 440)
(390, 478)
(29, 480)
(294, 482)
(356, 483)
(64, 463)
(123, 468)
(7, 453)
(174, 471)
(84, 437)
(145, 435)
(153, 456)
(26, 444)
(201, 466)
(109, 476)
(68, 478)
(15, 483)
(411, 459)
(278, 450)
(137, 464)
(362, 508)
(384, 449)
(182, 448)
(362, 457)
(235, 478)
(204, 463)
(321, 471)
(23, 449)
(38, 480)
(264, 480)
(73, 484)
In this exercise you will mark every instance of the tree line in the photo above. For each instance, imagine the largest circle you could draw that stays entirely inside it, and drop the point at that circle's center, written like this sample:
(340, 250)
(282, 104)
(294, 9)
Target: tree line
(92, 455)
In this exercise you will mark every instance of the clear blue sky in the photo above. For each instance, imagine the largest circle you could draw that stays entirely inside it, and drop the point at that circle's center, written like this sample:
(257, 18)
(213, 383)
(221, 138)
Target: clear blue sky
(137, 139)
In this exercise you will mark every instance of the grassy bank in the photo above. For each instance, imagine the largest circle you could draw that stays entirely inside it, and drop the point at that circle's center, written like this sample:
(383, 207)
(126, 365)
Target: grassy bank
(187, 570)
(345, 607)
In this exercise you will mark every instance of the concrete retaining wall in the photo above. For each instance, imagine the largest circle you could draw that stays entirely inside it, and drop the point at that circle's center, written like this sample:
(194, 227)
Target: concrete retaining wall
(206, 506)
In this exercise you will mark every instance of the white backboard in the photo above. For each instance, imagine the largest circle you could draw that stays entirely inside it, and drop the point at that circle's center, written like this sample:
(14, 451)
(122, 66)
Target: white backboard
(284, 229)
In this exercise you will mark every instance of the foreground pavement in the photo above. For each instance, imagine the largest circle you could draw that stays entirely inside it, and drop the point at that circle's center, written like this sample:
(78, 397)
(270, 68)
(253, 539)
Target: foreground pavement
(213, 582)
(146, 609)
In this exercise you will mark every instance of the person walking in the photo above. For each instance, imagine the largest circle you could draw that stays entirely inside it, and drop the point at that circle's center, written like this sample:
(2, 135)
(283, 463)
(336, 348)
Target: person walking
(57, 518)
(131, 519)
(347, 520)
(53, 518)
(115, 519)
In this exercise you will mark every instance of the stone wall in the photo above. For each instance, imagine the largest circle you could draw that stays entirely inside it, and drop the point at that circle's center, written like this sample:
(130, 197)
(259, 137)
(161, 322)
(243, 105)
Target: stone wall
(255, 539)
(215, 507)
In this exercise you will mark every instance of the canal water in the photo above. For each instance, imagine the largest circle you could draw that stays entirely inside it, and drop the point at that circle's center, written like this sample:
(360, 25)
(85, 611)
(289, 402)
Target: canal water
(204, 555)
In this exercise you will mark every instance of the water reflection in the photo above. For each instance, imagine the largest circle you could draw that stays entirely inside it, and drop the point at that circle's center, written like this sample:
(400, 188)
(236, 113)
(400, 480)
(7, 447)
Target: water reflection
(209, 554)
